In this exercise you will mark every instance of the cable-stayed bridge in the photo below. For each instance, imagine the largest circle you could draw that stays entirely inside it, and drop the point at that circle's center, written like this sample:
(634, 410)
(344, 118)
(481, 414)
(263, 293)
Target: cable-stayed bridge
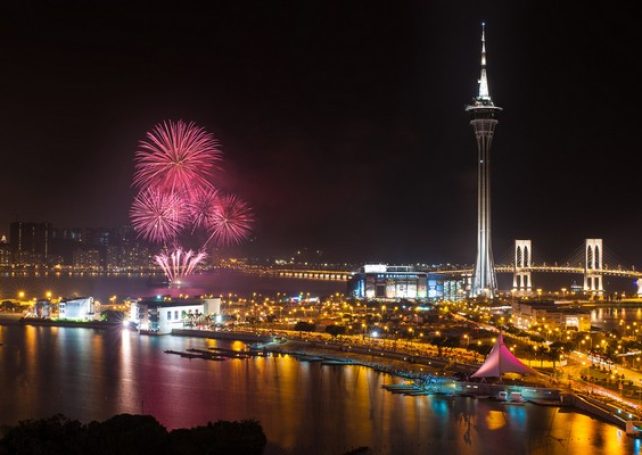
(591, 260)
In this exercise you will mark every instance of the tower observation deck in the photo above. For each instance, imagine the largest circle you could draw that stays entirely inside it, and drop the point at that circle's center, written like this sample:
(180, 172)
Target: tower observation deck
(483, 118)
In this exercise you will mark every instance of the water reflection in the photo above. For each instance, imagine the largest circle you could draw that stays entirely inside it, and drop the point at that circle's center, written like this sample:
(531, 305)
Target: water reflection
(611, 316)
(102, 287)
(304, 407)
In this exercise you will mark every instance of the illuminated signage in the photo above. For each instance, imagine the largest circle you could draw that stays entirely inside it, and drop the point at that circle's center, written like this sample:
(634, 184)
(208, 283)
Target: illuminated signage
(375, 268)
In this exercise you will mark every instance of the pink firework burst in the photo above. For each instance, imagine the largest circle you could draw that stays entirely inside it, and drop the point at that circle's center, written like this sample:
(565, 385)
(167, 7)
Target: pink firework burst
(158, 216)
(176, 156)
(231, 220)
(202, 207)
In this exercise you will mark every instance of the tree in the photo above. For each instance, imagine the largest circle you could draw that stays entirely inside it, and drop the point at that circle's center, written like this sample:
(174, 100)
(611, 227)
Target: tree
(303, 326)
(112, 316)
(127, 434)
(335, 330)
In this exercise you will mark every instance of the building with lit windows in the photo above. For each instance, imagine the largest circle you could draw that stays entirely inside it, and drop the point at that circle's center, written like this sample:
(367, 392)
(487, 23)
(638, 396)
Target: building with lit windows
(548, 313)
(86, 259)
(30, 243)
(5, 254)
(162, 314)
(383, 282)
(81, 308)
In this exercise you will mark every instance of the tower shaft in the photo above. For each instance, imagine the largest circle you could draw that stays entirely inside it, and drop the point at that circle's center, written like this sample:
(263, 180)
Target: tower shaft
(483, 114)
(484, 279)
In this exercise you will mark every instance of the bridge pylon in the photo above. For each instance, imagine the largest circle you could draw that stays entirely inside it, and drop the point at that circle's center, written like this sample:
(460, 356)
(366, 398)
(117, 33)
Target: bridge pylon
(522, 279)
(593, 254)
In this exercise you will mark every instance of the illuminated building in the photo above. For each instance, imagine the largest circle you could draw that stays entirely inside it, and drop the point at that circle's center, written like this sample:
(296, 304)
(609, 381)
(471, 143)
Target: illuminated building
(529, 313)
(42, 309)
(86, 259)
(454, 290)
(131, 258)
(5, 254)
(483, 118)
(81, 308)
(30, 243)
(379, 281)
(161, 315)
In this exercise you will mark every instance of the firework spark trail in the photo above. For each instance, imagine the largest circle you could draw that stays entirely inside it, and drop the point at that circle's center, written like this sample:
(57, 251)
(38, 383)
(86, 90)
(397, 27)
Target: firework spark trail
(176, 156)
(161, 260)
(231, 220)
(158, 216)
(201, 207)
(178, 264)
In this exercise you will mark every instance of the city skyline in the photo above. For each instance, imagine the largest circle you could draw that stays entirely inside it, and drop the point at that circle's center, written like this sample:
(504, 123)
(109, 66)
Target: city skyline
(265, 227)
(357, 143)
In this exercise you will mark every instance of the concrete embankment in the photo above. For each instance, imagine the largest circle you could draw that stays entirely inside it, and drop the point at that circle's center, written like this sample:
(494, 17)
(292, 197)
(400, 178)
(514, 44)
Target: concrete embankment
(10, 319)
(381, 355)
(101, 325)
(596, 408)
(249, 337)
(392, 359)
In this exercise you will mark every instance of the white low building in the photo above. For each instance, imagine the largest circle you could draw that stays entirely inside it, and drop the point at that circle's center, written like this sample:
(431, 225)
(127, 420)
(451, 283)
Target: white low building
(162, 314)
(81, 308)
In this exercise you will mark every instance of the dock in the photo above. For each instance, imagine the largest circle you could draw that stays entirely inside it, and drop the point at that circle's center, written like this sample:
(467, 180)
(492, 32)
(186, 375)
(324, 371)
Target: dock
(196, 354)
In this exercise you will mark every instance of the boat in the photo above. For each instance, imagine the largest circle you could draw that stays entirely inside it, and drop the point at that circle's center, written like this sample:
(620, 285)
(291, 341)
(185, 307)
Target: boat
(191, 354)
(515, 398)
(231, 353)
(634, 428)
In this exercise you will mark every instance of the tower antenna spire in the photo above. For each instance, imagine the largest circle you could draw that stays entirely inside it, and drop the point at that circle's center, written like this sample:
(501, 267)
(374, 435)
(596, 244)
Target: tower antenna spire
(484, 92)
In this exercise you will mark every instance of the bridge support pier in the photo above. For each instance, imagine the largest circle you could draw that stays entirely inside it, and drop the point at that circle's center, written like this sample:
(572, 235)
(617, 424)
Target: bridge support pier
(522, 279)
(593, 251)
(639, 283)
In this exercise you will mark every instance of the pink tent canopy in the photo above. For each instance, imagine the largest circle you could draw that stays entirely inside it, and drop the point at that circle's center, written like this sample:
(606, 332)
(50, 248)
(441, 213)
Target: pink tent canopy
(499, 361)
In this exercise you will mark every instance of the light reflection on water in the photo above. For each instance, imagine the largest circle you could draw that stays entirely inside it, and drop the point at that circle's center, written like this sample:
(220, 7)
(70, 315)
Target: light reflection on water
(215, 282)
(88, 374)
(609, 317)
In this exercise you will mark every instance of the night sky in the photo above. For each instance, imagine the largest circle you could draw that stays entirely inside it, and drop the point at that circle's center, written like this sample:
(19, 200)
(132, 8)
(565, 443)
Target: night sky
(342, 123)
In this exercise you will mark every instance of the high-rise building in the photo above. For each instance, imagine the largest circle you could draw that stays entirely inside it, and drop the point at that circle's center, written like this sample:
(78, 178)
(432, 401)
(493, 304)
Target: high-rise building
(5, 254)
(86, 260)
(483, 118)
(129, 258)
(30, 242)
